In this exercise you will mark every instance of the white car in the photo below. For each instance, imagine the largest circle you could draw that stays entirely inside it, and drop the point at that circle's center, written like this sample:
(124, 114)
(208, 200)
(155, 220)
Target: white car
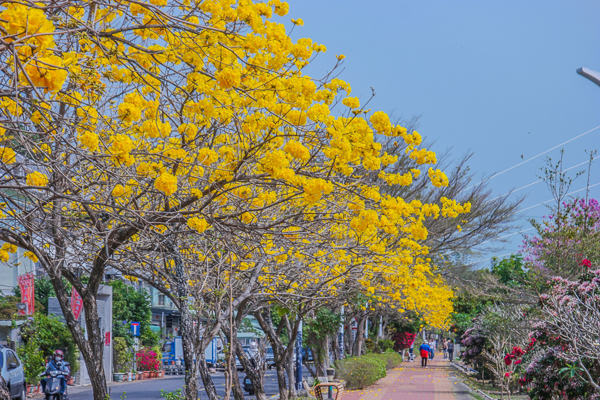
(12, 371)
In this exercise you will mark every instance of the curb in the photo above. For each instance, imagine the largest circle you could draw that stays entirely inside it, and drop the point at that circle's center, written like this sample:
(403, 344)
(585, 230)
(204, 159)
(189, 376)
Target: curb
(472, 389)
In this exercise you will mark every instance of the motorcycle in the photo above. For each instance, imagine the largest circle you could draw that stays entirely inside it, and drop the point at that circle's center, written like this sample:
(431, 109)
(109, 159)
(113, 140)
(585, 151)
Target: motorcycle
(53, 384)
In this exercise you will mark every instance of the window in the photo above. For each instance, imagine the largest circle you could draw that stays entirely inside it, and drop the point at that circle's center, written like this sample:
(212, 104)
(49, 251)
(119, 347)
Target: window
(161, 299)
(12, 358)
(1, 359)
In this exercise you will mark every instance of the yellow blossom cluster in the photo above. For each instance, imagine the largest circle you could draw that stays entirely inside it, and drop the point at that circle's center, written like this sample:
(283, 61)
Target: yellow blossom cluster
(207, 115)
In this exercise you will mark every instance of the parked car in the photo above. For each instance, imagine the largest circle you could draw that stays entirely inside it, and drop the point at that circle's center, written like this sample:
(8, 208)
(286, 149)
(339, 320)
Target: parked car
(247, 386)
(12, 371)
(307, 355)
(270, 359)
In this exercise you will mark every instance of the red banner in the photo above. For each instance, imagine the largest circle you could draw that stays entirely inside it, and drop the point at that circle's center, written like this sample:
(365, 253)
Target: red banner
(27, 286)
(76, 303)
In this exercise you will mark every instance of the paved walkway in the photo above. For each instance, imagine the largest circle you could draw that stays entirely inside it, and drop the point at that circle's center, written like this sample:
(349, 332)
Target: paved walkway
(411, 382)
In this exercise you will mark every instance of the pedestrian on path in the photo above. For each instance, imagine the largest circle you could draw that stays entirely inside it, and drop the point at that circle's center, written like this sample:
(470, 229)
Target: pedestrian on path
(432, 351)
(424, 349)
(450, 349)
(445, 348)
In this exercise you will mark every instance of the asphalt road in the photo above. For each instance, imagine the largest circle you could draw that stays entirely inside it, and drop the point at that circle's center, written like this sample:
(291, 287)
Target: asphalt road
(150, 389)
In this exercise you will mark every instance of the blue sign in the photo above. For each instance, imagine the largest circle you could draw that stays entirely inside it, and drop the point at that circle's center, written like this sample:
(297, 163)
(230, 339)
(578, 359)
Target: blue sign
(135, 328)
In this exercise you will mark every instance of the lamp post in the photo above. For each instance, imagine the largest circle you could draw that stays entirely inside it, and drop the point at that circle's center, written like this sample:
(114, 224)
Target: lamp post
(590, 74)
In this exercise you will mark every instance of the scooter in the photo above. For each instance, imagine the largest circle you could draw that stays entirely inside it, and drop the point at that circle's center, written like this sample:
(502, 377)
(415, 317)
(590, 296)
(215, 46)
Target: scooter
(53, 384)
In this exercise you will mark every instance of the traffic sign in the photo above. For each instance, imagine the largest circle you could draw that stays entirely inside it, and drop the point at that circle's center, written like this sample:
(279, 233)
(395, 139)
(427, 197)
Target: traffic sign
(135, 328)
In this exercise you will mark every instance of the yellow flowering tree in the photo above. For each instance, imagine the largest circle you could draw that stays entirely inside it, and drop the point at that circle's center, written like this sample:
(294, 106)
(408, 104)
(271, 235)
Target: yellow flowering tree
(139, 130)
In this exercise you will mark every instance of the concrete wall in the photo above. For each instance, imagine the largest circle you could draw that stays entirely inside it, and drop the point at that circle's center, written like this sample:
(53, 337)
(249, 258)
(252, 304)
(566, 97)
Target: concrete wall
(104, 302)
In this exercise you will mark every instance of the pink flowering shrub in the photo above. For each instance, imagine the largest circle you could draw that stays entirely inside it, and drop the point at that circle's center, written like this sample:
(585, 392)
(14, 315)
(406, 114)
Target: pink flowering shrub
(147, 360)
(566, 242)
(563, 356)
(403, 340)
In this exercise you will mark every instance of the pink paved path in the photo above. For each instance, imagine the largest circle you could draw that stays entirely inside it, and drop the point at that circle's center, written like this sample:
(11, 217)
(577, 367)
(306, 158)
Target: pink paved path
(411, 382)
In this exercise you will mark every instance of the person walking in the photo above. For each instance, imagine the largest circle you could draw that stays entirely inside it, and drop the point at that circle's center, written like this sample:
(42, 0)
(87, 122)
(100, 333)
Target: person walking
(432, 347)
(424, 349)
(445, 348)
(450, 349)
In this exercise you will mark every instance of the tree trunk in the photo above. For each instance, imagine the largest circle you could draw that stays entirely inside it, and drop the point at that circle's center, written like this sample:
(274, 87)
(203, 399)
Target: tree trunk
(92, 349)
(253, 374)
(188, 342)
(358, 342)
(290, 360)
(238, 393)
(283, 357)
(189, 335)
(290, 369)
(318, 360)
(281, 381)
(4, 393)
(209, 385)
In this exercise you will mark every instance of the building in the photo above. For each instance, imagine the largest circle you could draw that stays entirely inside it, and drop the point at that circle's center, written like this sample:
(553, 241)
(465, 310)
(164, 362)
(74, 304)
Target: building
(16, 265)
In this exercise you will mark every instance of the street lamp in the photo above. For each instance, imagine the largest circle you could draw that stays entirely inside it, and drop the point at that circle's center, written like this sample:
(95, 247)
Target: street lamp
(590, 74)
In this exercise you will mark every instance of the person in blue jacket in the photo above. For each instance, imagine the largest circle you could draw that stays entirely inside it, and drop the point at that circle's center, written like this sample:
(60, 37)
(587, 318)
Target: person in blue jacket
(424, 349)
(62, 367)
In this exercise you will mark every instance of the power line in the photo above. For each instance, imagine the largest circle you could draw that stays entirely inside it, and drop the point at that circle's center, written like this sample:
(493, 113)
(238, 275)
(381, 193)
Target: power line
(533, 158)
(536, 182)
(548, 201)
(534, 206)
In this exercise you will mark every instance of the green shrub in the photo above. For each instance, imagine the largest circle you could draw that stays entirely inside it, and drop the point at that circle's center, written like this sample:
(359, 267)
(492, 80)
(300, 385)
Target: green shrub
(391, 358)
(122, 355)
(360, 372)
(176, 395)
(50, 334)
(33, 361)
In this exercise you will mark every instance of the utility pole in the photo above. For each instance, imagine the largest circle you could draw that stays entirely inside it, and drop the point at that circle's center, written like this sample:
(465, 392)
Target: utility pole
(299, 358)
(341, 335)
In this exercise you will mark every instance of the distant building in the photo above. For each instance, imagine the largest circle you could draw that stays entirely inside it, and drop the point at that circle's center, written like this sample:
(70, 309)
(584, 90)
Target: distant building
(16, 265)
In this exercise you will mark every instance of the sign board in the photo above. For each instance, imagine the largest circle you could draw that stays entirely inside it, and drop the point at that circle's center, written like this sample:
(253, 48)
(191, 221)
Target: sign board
(26, 284)
(76, 304)
(135, 328)
(107, 339)
(22, 308)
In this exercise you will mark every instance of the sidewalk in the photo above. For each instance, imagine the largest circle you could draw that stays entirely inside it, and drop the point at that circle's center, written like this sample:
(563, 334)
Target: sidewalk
(412, 382)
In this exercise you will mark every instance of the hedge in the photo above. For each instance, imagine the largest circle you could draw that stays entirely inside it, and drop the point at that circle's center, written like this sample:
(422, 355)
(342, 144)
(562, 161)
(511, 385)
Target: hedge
(360, 372)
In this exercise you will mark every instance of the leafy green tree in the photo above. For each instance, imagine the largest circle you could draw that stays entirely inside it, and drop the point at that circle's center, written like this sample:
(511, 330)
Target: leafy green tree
(132, 305)
(317, 331)
(466, 307)
(510, 271)
(50, 334)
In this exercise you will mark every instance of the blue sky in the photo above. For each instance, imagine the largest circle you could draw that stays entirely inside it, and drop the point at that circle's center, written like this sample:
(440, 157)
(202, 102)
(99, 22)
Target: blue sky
(497, 78)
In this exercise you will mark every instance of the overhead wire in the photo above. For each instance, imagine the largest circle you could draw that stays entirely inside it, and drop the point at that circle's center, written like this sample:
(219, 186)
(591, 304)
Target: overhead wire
(533, 158)
(525, 230)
